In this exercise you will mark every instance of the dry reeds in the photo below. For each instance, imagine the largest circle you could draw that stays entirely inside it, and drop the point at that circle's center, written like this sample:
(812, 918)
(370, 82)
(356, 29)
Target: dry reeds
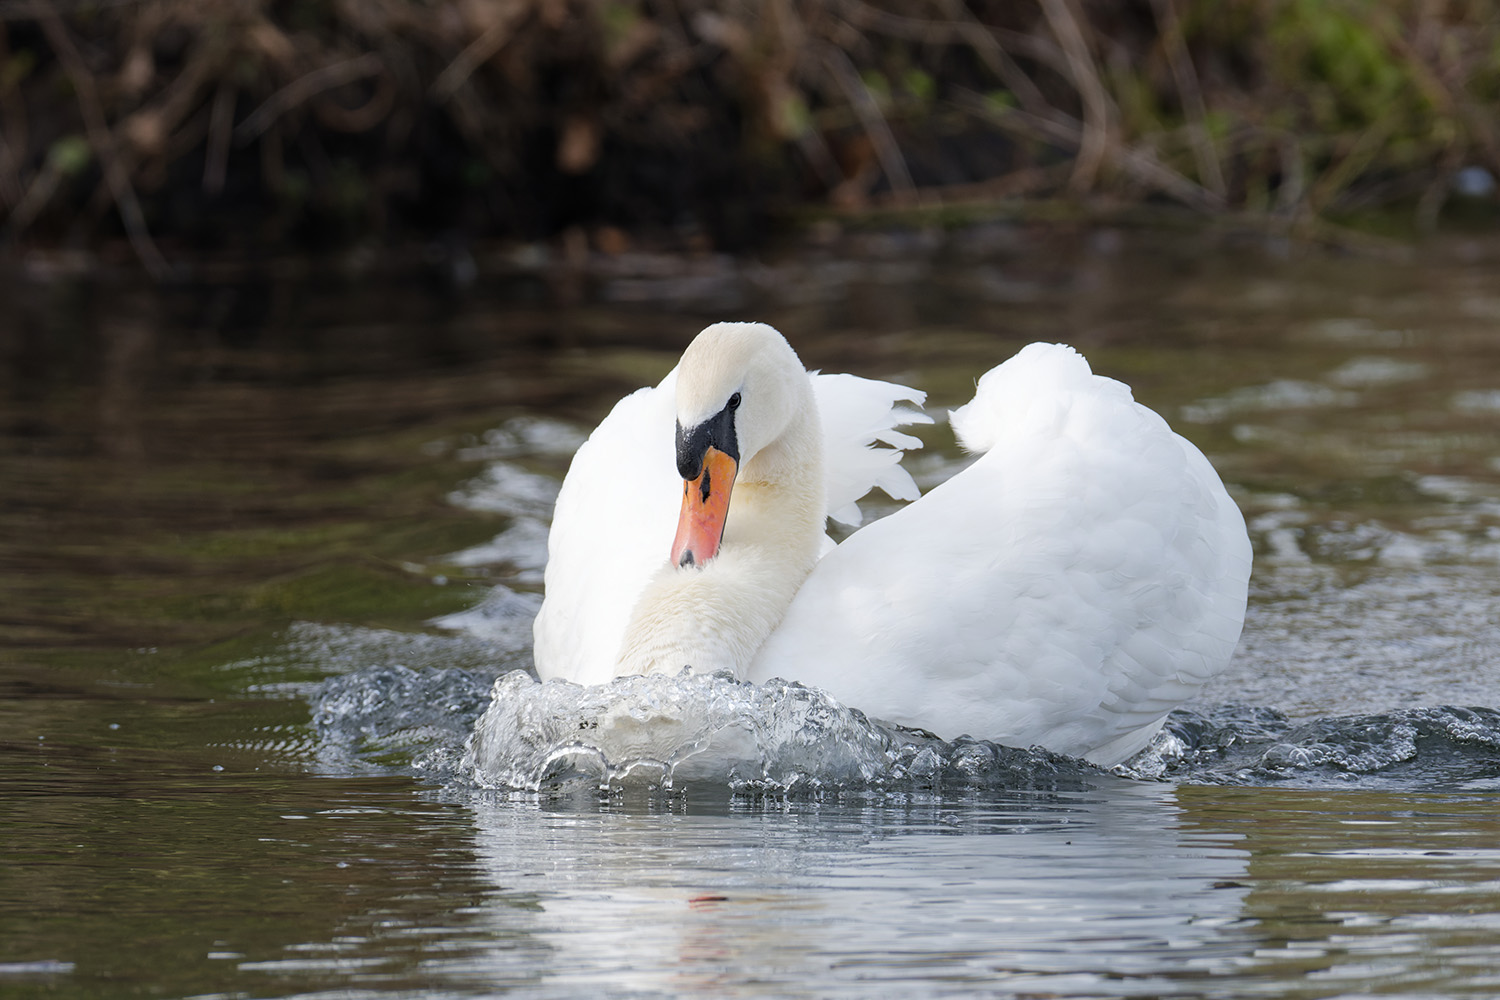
(249, 123)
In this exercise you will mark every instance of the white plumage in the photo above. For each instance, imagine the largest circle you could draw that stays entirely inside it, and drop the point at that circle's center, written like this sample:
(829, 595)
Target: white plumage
(1086, 574)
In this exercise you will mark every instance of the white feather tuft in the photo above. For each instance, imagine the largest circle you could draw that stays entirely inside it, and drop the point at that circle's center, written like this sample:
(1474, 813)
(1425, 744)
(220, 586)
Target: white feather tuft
(858, 414)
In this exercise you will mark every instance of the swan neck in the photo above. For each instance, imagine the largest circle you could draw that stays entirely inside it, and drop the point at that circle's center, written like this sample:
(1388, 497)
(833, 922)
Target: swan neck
(716, 616)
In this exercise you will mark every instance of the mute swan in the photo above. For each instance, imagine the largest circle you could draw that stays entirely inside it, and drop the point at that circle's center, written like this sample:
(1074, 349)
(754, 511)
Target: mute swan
(1085, 575)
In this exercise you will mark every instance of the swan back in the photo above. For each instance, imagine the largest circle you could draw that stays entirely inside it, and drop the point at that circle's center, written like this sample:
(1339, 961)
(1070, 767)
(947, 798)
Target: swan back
(1084, 576)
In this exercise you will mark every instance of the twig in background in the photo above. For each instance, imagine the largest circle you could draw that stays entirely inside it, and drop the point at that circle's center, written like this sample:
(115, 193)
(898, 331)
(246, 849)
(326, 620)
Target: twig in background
(1341, 173)
(1193, 107)
(184, 90)
(962, 27)
(1016, 184)
(364, 117)
(1447, 99)
(303, 89)
(1293, 176)
(1139, 164)
(1096, 139)
(35, 197)
(484, 83)
(480, 50)
(220, 128)
(875, 125)
(14, 133)
(10, 177)
(1435, 195)
(102, 140)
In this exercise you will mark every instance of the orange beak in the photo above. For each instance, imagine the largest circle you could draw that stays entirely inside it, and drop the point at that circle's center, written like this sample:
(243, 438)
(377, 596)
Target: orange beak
(705, 505)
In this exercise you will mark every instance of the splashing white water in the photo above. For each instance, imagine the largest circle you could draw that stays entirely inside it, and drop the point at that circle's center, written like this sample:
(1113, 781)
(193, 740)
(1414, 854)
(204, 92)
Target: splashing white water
(658, 731)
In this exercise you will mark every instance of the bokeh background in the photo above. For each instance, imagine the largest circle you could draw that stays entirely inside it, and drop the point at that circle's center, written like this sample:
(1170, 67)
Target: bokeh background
(185, 127)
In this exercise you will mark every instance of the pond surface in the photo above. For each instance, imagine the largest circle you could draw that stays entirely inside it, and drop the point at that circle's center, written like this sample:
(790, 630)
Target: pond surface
(266, 541)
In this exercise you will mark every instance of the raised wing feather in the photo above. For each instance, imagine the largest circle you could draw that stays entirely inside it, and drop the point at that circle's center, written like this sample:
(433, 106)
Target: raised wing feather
(856, 414)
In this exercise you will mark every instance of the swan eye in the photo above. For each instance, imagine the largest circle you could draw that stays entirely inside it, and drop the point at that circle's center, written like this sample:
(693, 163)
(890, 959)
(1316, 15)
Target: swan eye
(734, 401)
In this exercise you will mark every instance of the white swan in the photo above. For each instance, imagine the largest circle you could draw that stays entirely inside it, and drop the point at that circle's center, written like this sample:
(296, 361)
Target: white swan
(1084, 576)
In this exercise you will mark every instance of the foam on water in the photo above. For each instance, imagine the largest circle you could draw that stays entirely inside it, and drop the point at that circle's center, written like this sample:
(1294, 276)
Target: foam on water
(460, 726)
(396, 707)
(433, 706)
(1444, 748)
(398, 717)
(778, 738)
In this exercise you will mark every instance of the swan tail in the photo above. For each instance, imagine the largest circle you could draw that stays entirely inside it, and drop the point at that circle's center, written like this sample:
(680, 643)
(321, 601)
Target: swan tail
(1032, 390)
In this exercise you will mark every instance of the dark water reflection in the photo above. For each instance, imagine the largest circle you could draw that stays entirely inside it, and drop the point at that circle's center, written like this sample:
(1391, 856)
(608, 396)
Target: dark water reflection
(184, 475)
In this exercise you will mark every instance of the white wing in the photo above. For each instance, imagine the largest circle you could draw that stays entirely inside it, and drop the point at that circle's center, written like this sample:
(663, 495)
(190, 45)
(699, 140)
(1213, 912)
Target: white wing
(856, 413)
(1079, 580)
(617, 511)
(611, 528)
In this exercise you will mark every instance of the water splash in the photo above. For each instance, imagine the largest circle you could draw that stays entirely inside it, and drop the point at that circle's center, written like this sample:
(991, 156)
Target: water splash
(1445, 748)
(775, 739)
(461, 727)
(398, 718)
(430, 705)
(407, 701)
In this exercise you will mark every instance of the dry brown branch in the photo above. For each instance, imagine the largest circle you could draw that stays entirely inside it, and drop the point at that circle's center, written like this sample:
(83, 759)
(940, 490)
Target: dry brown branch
(817, 154)
(183, 94)
(480, 50)
(1448, 99)
(1293, 176)
(962, 28)
(1338, 176)
(1096, 140)
(870, 117)
(220, 128)
(1434, 196)
(13, 134)
(750, 89)
(1035, 47)
(1139, 164)
(1193, 107)
(303, 89)
(102, 140)
(34, 198)
(1015, 184)
(10, 177)
(364, 117)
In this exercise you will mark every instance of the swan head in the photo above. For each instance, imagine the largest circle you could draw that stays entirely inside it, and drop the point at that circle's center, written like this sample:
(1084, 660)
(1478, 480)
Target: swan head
(740, 390)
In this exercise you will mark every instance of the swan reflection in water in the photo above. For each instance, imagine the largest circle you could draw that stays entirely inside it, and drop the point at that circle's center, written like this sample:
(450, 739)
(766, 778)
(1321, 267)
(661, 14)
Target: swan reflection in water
(1033, 890)
(1123, 889)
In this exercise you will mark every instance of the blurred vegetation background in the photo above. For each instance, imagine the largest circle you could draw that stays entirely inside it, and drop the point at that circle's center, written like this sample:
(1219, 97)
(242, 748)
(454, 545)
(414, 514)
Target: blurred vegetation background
(255, 126)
